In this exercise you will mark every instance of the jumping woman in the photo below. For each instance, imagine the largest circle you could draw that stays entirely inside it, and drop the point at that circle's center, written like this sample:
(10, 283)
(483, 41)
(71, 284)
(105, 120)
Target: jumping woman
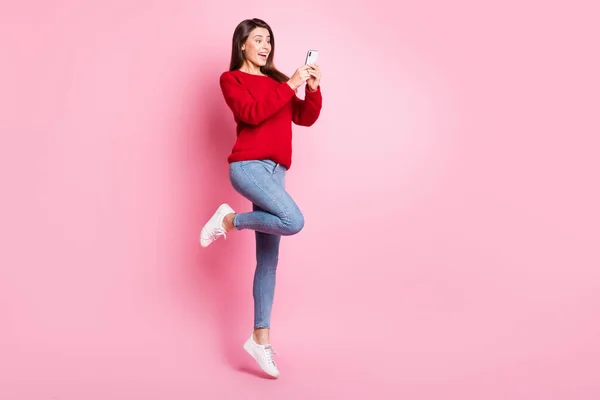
(264, 105)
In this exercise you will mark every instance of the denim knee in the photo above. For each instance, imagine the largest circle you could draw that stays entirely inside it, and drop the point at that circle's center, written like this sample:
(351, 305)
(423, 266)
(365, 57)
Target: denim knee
(294, 223)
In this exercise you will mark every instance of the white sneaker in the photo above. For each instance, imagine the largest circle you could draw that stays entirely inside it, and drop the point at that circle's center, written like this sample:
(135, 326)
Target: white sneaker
(214, 227)
(263, 354)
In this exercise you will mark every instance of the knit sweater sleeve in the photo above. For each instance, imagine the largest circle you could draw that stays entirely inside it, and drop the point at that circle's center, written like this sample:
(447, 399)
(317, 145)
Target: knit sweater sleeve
(307, 111)
(248, 109)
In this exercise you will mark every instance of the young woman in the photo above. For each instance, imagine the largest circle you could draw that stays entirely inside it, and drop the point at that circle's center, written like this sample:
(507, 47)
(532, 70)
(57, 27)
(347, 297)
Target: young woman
(264, 105)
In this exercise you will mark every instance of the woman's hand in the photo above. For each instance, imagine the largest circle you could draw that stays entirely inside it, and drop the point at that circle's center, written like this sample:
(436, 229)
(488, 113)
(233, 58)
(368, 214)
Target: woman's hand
(315, 77)
(299, 77)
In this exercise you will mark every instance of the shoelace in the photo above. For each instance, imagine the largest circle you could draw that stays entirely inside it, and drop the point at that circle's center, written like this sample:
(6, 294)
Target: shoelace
(269, 352)
(217, 233)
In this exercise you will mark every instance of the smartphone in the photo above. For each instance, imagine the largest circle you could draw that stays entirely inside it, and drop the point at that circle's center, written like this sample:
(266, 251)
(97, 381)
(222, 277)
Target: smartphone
(311, 56)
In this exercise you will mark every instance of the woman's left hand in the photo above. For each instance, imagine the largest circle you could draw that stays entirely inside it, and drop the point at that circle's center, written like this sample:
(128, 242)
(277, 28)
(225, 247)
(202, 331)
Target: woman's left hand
(315, 77)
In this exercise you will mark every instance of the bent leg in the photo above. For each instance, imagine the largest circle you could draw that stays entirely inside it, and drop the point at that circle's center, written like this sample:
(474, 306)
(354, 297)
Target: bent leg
(262, 182)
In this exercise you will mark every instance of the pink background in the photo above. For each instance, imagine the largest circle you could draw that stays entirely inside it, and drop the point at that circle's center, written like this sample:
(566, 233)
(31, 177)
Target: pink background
(450, 188)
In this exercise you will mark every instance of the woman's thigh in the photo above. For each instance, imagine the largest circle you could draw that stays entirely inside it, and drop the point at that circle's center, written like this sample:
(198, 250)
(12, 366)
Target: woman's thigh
(263, 183)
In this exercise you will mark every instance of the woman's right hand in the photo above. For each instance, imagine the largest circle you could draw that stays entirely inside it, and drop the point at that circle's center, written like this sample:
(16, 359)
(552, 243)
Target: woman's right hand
(300, 76)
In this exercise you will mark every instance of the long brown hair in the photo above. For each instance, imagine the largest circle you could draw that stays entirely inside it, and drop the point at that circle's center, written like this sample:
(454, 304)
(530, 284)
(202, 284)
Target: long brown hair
(240, 35)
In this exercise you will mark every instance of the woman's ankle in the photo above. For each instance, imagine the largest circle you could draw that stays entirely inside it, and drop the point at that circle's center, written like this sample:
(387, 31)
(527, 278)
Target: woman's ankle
(261, 336)
(228, 222)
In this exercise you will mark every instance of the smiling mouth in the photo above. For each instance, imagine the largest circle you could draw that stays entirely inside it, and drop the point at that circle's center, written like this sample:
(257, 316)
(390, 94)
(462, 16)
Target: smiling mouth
(263, 55)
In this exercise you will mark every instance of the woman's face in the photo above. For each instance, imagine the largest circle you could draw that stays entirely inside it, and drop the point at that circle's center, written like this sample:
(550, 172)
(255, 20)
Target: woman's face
(257, 47)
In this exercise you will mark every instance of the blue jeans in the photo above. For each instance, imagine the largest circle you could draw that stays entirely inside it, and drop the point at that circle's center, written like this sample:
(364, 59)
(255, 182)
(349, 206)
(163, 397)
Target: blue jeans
(274, 214)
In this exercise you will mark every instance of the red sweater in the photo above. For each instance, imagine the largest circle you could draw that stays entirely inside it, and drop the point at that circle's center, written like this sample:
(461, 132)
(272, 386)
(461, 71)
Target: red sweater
(264, 110)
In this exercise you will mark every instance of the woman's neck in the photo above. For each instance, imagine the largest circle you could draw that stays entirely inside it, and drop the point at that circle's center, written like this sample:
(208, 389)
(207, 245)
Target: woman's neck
(250, 68)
